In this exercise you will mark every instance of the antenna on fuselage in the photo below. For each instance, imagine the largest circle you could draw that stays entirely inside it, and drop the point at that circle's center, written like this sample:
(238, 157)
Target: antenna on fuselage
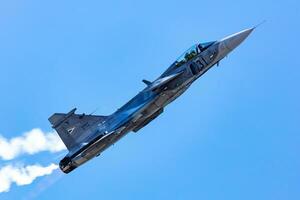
(95, 110)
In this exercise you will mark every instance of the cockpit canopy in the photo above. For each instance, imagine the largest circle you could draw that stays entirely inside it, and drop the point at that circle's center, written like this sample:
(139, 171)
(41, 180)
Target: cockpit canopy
(192, 52)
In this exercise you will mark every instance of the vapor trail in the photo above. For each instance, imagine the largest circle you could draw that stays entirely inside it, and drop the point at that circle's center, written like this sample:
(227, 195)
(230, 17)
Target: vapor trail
(22, 175)
(30, 142)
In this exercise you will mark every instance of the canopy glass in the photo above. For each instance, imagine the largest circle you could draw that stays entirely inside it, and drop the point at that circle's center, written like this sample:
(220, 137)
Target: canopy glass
(192, 52)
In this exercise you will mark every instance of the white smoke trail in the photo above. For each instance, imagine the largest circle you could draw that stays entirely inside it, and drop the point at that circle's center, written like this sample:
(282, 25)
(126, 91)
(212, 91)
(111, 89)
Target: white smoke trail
(43, 184)
(22, 175)
(31, 142)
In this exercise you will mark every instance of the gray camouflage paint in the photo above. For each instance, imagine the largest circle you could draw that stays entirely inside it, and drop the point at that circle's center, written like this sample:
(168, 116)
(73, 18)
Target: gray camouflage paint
(86, 136)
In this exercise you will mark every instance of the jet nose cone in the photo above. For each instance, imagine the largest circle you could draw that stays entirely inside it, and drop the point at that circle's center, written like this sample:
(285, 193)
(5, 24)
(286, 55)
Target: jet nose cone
(234, 40)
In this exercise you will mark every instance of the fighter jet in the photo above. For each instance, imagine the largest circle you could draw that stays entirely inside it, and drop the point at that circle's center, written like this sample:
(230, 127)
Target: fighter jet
(87, 136)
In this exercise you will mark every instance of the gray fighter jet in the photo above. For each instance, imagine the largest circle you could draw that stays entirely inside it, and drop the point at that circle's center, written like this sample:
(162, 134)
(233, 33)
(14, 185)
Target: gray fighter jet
(86, 136)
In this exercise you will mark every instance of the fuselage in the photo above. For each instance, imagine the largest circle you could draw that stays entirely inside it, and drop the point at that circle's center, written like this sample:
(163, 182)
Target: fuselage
(151, 101)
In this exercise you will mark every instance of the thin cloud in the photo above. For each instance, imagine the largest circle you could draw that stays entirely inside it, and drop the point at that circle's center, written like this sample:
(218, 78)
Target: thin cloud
(22, 175)
(30, 143)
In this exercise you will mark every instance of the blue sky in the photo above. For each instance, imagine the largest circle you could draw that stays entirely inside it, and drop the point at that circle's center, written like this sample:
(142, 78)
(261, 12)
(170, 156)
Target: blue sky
(233, 135)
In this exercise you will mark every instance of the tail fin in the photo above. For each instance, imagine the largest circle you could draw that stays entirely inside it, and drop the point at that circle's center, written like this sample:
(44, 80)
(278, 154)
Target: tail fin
(73, 128)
